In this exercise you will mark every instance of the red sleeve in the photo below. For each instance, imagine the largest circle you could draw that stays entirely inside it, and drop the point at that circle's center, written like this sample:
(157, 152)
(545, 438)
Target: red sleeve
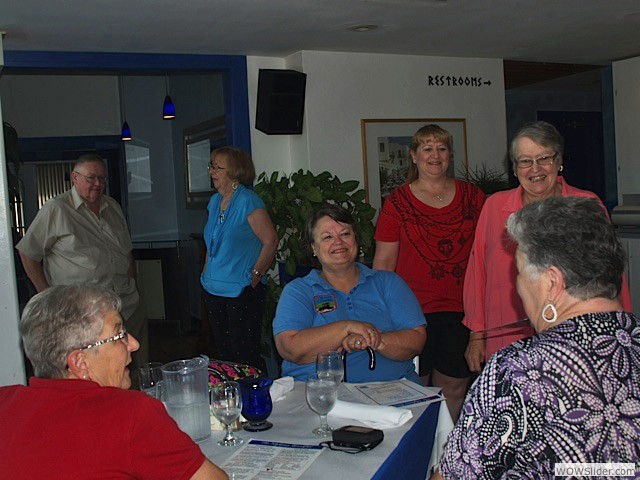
(388, 224)
(480, 199)
(159, 449)
(475, 279)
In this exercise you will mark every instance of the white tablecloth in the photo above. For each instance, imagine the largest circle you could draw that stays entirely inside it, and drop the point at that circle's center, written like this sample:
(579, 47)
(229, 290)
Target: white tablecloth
(293, 422)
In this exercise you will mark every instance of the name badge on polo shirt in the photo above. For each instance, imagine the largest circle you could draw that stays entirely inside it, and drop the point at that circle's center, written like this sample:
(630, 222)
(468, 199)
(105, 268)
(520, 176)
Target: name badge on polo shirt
(325, 303)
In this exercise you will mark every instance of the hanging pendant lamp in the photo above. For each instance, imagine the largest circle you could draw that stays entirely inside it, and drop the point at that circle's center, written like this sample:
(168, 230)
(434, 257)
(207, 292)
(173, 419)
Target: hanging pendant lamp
(168, 109)
(126, 131)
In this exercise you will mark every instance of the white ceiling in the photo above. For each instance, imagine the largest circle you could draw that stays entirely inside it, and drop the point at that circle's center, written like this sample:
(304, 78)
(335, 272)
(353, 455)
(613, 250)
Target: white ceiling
(562, 31)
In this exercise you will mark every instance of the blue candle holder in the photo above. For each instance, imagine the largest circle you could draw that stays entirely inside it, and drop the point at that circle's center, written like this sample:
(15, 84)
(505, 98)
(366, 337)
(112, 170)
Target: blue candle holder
(256, 403)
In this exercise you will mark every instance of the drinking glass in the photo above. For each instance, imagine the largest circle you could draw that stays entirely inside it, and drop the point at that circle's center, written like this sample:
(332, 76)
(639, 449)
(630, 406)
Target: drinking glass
(226, 405)
(330, 363)
(256, 403)
(321, 392)
(150, 379)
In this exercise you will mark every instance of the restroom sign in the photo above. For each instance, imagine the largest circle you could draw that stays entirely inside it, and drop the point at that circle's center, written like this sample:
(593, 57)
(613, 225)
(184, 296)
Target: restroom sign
(456, 81)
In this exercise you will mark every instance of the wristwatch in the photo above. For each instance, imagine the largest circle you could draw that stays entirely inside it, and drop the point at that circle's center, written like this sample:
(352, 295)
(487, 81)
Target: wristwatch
(256, 272)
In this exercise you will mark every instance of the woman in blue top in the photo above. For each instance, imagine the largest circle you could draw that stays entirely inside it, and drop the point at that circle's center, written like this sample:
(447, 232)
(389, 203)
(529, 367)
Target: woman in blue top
(241, 243)
(348, 307)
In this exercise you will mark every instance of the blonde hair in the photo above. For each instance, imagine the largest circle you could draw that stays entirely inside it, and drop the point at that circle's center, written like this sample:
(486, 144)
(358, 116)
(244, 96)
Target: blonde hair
(426, 133)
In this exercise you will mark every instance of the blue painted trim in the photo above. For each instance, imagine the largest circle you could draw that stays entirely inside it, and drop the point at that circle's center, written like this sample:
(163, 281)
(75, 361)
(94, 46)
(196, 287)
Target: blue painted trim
(234, 67)
(410, 459)
(35, 145)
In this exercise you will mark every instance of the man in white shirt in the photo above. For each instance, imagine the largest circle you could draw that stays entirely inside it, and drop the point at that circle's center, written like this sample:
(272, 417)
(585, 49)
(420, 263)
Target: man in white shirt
(81, 238)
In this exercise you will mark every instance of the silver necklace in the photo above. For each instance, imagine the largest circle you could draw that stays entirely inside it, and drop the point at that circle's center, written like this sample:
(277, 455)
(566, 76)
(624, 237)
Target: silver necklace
(437, 196)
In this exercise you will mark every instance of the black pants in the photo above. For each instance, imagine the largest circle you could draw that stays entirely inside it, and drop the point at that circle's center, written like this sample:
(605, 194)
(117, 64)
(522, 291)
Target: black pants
(236, 325)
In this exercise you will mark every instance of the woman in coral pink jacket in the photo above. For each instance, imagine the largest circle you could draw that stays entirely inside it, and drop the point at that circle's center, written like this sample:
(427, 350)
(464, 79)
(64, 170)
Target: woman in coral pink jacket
(492, 307)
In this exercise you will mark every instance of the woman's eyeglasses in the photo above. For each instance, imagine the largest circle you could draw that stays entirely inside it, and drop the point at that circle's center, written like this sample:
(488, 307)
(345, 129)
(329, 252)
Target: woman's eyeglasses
(123, 335)
(543, 160)
(214, 167)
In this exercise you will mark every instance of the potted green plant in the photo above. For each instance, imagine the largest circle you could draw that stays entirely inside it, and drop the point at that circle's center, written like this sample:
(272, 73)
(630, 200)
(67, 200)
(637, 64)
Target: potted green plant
(488, 179)
(289, 200)
(13, 159)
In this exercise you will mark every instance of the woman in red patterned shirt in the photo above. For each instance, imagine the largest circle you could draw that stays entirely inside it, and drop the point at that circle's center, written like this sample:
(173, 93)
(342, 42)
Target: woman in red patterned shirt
(424, 233)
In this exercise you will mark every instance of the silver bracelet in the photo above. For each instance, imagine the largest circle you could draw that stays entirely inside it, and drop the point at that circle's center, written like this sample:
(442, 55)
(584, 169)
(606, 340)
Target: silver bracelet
(256, 272)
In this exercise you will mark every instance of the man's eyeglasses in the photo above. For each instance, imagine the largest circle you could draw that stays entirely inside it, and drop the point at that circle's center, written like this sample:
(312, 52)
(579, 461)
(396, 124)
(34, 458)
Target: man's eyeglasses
(92, 178)
(123, 335)
(214, 167)
(543, 160)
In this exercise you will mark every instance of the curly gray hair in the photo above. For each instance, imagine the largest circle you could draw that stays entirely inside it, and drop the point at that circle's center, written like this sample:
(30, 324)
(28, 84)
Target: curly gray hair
(573, 234)
(542, 133)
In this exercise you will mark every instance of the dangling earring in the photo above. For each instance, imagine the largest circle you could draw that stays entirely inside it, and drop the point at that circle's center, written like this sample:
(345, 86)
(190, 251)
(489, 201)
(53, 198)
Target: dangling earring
(515, 174)
(360, 252)
(553, 311)
(561, 168)
(234, 185)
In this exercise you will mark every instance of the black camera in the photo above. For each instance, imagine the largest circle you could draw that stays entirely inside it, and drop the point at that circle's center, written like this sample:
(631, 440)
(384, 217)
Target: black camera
(361, 438)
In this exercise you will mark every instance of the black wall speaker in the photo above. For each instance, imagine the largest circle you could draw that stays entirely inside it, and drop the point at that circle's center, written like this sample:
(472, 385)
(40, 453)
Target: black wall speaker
(280, 105)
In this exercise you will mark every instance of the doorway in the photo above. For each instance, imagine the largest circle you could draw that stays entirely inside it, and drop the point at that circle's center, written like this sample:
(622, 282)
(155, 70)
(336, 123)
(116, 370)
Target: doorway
(583, 150)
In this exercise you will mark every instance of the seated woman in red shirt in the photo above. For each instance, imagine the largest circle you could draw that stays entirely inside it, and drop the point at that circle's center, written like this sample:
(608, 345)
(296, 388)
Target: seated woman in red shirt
(77, 418)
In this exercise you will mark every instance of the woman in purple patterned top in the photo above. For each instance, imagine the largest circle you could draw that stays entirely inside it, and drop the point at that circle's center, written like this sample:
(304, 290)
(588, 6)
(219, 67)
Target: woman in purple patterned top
(570, 393)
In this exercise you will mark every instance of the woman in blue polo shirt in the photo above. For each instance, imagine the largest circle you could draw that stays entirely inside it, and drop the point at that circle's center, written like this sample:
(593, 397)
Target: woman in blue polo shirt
(347, 306)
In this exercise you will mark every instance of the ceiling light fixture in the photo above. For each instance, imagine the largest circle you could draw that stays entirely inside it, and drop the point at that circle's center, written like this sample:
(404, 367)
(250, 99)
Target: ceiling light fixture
(362, 28)
(126, 131)
(168, 109)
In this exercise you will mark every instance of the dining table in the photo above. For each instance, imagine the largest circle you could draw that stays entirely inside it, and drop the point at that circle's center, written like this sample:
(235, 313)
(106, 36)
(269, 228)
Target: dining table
(407, 452)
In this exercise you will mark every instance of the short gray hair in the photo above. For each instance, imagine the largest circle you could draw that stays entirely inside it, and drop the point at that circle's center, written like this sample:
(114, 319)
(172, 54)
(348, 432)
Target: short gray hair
(60, 319)
(543, 133)
(575, 235)
(89, 158)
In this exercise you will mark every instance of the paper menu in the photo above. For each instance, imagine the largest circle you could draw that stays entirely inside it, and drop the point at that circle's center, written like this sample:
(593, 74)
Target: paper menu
(262, 460)
(398, 393)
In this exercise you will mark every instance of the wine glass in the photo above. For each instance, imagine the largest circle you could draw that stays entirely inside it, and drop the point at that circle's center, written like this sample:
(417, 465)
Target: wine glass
(150, 379)
(226, 404)
(321, 392)
(330, 363)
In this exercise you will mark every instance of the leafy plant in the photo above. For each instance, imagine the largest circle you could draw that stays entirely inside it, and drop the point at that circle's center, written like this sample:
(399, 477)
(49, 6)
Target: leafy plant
(13, 158)
(488, 179)
(291, 198)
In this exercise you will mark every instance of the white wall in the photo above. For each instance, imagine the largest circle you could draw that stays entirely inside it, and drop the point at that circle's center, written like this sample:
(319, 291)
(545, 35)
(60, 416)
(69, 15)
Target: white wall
(12, 367)
(626, 88)
(343, 88)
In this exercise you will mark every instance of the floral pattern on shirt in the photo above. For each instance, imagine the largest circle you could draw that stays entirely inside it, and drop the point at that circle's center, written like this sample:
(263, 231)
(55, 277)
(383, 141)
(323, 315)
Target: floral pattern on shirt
(568, 394)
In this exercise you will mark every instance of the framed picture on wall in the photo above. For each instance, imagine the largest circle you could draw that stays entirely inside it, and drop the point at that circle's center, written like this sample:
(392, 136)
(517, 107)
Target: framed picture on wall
(385, 152)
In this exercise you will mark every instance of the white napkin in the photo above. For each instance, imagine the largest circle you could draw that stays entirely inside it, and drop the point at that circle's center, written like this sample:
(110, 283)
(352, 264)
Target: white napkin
(279, 387)
(375, 416)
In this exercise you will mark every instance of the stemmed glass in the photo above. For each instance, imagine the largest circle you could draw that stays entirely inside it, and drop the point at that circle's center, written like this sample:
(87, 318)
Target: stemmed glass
(150, 379)
(226, 404)
(321, 392)
(330, 363)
